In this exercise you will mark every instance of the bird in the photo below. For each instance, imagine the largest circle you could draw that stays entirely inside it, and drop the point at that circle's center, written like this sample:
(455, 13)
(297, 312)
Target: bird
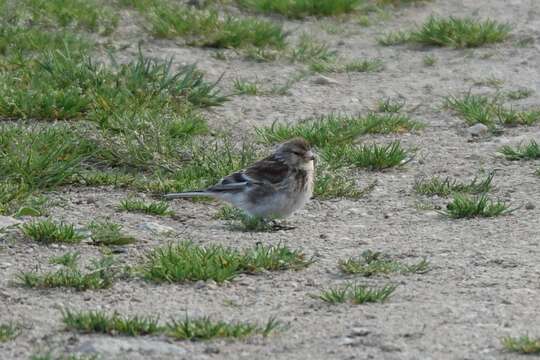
(272, 188)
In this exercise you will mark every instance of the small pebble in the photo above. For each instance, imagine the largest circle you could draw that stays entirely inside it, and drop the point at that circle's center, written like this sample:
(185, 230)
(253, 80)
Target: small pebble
(529, 206)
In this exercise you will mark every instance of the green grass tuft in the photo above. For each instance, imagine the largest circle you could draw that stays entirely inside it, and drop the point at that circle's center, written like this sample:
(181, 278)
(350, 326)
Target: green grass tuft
(356, 294)
(8, 332)
(372, 157)
(107, 233)
(365, 65)
(336, 183)
(243, 87)
(186, 261)
(490, 111)
(390, 106)
(338, 129)
(69, 259)
(530, 151)
(92, 15)
(208, 28)
(309, 50)
(445, 187)
(463, 206)
(519, 94)
(47, 232)
(88, 322)
(429, 60)
(473, 108)
(66, 85)
(452, 32)
(299, 9)
(98, 322)
(41, 158)
(100, 275)
(139, 206)
(523, 344)
(373, 263)
(205, 329)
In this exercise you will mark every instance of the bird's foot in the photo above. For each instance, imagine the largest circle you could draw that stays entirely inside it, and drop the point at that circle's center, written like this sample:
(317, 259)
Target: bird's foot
(281, 225)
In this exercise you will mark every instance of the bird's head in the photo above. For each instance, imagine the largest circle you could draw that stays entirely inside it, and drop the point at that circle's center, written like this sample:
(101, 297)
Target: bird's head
(296, 153)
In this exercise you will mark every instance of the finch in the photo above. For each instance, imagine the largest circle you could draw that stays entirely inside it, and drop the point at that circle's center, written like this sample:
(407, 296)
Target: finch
(274, 187)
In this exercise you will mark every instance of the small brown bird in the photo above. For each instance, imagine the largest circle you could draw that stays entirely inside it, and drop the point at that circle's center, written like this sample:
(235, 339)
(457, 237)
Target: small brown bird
(274, 187)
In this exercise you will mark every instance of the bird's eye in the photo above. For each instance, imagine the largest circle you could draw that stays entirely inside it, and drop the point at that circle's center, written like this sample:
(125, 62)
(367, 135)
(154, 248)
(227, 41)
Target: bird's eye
(297, 153)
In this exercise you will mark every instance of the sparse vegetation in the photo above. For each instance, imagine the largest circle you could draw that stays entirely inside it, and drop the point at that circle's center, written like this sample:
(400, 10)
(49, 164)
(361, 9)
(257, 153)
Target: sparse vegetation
(243, 87)
(186, 329)
(336, 183)
(47, 232)
(452, 32)
(186, 261)
(356, 294)
(107, 233)
(429, 60)
(445, 187)
(523, 344)
(99, 275)
(336, 129)
(8, 331)
(372, 157)
(207, 28)
(205, 329)
(490, 111)
(99, 322)
(530, 151)
(140, 206)
(390, 106)
(373, 263)
(519, 94)
(463, 206)
(309, 50)
(302, 8)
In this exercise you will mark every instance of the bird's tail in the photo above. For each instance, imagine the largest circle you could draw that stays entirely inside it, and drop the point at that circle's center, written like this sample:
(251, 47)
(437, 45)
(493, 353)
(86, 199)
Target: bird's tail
(188, 194)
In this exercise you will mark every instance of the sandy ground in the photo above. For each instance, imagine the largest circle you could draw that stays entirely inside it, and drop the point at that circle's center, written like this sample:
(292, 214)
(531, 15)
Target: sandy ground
(484, 280)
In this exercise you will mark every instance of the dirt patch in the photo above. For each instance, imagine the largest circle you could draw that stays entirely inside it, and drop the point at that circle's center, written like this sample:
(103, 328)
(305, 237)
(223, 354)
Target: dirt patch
(484, 278)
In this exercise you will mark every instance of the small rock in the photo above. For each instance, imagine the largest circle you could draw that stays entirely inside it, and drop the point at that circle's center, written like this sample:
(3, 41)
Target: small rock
(477, 130)
(529, 206)
(111, 348)
(212, 350)
(324, 80)
(8, 221)
(347, 341)
(355, 211)
(157, 228)
(360, 331)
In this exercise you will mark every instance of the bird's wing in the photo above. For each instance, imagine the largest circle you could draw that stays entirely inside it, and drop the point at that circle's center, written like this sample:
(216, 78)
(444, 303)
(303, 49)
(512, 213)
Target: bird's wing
(271, 170)
(237, 181)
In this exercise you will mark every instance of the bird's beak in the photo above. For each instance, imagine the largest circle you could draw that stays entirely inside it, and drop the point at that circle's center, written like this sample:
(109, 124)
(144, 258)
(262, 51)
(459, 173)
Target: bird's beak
(310, 156)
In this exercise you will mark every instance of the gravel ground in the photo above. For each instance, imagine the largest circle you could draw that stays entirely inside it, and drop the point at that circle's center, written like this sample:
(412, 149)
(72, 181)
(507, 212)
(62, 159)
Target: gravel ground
(484, 279)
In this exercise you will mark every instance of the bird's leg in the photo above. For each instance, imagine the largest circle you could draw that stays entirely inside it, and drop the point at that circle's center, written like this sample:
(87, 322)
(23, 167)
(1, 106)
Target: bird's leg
(280, 225)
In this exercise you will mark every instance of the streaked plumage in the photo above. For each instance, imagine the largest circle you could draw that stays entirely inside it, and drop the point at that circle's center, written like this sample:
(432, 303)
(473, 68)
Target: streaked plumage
(274, 187)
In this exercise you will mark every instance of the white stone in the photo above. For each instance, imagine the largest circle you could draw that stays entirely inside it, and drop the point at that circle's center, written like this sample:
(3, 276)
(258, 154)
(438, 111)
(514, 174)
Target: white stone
(477, 130)
(112, 347)
(324, 80)
(8, 221)
(157, 228)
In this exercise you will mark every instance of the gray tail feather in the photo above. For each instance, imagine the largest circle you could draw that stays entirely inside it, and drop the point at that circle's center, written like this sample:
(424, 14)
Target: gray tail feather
(188, 194)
